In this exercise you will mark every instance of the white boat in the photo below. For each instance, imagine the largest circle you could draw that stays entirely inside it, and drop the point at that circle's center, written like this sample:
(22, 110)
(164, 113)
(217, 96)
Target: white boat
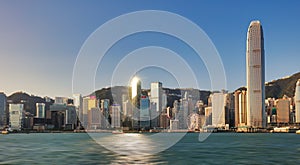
(117, 132)
(298, 132)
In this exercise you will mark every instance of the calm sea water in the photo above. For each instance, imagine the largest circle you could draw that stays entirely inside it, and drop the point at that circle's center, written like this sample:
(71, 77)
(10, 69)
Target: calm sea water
(218, 148)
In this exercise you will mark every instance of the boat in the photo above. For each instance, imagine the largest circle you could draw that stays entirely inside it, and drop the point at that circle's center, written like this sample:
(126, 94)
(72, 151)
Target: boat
(298, 132)
(4, 132)
(117, 132)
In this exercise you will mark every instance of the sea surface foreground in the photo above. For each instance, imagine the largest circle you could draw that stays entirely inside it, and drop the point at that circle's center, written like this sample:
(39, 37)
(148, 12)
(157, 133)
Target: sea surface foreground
(218, 148)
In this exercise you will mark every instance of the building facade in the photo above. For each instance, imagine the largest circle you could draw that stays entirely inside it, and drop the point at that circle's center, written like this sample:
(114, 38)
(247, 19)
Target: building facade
(218, 109)
(2, 109)
(145, 113)
(115, 116)
(16, 116)
(156, 95)
(283, 110)
(78, 101)
(255, 67)
(297, 102)
(40, 110)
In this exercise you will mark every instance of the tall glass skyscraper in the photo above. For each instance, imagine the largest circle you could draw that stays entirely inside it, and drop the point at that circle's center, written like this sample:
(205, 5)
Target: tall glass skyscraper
(297, 101)
(136, 91)
(255, 66)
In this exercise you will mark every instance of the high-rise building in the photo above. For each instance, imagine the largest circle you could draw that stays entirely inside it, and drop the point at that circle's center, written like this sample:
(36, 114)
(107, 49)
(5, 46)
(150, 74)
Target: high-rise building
(136, 91)
(156, 95)
(104, 106)
(297, 102)
(115, 116)
(63, 116)
(2, 109)
(208, 116)
(92, 105)
(78, 104)
(255, 67)
(283, 110)
(85, 109)
(40, 110)
(95, 118)
(218, 109)
(240, 108)
(16, 116)
(145, 113)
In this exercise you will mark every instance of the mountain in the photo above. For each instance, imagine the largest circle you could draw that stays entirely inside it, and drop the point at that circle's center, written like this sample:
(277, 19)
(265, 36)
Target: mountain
(283, 86)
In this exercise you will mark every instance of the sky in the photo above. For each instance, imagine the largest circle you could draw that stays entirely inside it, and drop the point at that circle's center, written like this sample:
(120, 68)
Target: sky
(41, 40)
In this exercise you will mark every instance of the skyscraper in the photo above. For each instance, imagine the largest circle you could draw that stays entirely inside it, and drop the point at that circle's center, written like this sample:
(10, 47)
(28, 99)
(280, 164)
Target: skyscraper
(40, 110)
(255, 66)
(85, 108)
(16, 116)
(144, 113)
(78, 104)
(104, 106)
(218, 109)
(136, 91)
(156, 95)
(2, 109)
(115, 116)
(297, 101)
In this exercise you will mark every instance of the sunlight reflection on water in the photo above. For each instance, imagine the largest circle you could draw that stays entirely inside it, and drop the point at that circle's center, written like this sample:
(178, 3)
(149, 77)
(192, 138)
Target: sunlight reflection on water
(133, 144)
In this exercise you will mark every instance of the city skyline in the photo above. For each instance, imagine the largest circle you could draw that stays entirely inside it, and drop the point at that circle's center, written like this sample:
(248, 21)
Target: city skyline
(39, 43)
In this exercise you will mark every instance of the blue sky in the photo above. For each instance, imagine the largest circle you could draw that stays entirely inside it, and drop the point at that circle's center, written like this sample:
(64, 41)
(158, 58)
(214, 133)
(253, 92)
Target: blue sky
(40, 40)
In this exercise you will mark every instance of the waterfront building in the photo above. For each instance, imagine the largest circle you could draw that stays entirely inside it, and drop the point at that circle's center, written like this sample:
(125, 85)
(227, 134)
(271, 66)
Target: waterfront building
(194, 123)
(127, 115)
(270, 110)
(40, 110)
(78, 101)
(16, 116)
(174, 124)
(156, 95)
(94, 118)
(236, 108)
(85, 109)
(115, 116)
(154, 116)
(2, 109)
(136, 91)
(218, 109)
(92, 104)
(255, 67)
(208, 116)
(104, 106)
(240, 108)
(297, 102)
(63, 116)
(164, 120)
(283, 110)
(145, 113)
(229, 109)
